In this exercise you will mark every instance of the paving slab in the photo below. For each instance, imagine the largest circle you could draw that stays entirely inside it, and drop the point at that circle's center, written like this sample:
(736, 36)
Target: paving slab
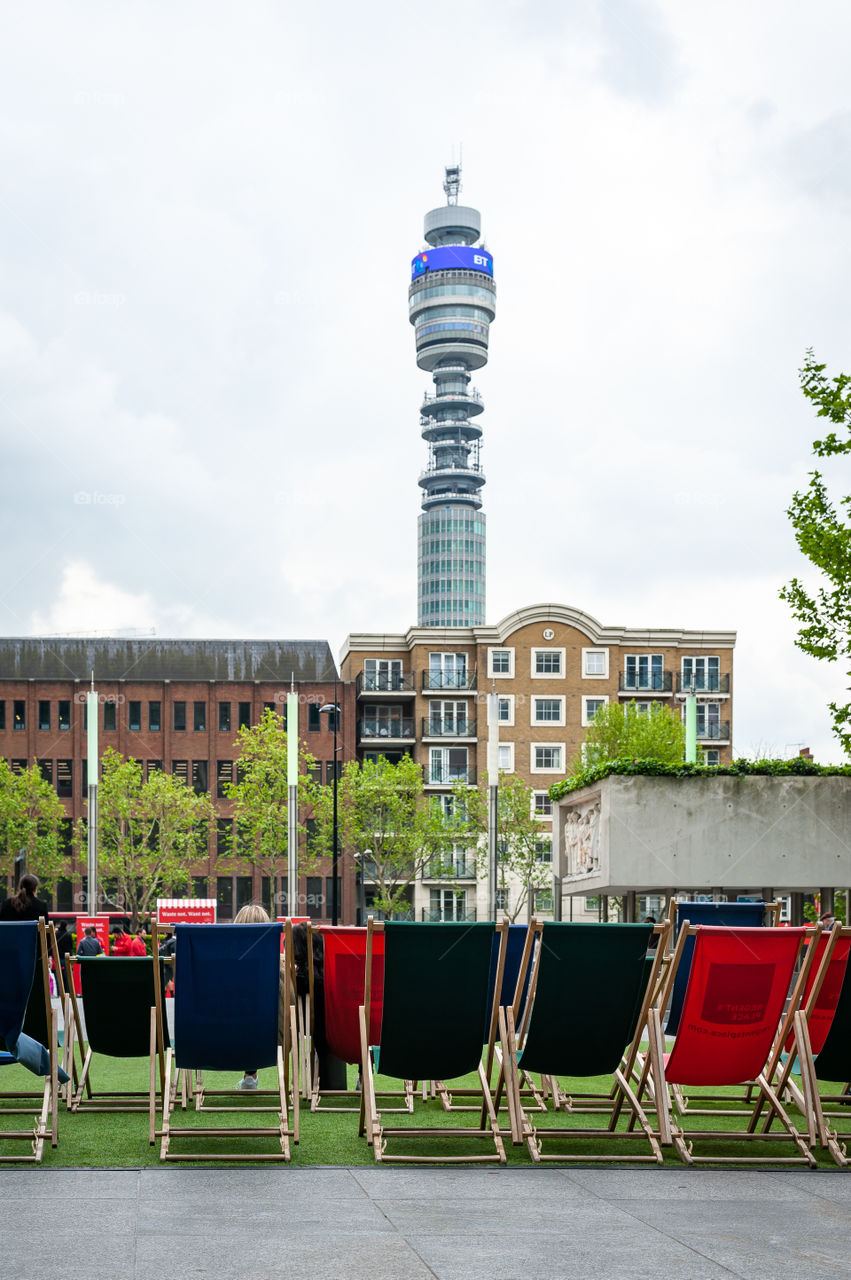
(321, 1255)
(705, 1184)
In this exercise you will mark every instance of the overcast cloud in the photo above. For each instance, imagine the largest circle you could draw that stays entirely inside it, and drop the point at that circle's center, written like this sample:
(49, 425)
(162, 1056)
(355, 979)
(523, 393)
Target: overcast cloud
(208, 390)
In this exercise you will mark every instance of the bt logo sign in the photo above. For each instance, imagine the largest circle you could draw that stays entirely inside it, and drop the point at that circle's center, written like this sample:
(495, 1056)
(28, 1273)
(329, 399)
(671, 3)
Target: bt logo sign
(481, 261)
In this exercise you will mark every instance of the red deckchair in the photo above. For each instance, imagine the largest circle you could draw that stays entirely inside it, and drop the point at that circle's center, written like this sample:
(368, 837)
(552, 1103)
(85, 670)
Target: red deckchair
(344, 968)
(732, 1014)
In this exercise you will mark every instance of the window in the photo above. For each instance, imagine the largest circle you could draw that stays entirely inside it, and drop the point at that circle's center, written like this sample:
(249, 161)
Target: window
(506, 757)
(224, 839)
(548, 710)
(45, 768)
(382, 675)
(44, 715)
(64, 715)
(224, 776)
(592, 904)
(329, 896)
(84, 778)
(199, 716)
(709, 720)
(712, 757)
(542, 901)
(314, 901)
(595, 664)
(244, 715)
(502, 900)
(547, 662)
(542, 804)
(244, 891)
(154, 717)
(199, 776)
(224, 897)
(329, 770)
(315, 773)
(64, 777)
(448, 765)
(701, 674)
(447, 671)
(505, 709)
(448, 719)
(544, 851)
(109, 717)
(644, 671)
(179, 717)
(501, 662)
(3, 713)
(224, 717)
(180, 769)
(447, 904)
(334, 719)
(152, 767)
(199, 886)
(134, 717)
(19, 714)
(314, 720)
(547, 757)
(590, 707)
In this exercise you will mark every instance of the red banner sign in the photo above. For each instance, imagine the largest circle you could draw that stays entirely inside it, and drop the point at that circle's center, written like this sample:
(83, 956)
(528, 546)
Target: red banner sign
(186, 910)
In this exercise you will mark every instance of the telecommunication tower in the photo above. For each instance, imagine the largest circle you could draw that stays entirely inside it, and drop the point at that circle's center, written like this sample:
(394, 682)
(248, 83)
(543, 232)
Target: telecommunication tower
(452, 301)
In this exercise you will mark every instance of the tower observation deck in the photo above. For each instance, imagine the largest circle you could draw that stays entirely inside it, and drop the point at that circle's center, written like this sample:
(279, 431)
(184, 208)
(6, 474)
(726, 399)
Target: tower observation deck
(452, 301)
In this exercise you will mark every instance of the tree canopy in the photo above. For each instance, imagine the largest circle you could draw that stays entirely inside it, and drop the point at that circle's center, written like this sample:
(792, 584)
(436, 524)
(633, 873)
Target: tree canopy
(622, 731)
(824, 537)
(31, 814)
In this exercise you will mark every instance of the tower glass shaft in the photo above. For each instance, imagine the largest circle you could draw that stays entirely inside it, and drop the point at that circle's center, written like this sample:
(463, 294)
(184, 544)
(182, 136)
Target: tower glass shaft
(452, 301)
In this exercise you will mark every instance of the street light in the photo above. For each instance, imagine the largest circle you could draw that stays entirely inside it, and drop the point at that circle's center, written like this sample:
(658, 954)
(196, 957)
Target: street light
(335, 857)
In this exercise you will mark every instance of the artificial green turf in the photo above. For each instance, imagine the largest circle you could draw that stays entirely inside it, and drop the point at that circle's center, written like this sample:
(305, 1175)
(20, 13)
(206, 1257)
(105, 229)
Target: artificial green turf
(115, 1140)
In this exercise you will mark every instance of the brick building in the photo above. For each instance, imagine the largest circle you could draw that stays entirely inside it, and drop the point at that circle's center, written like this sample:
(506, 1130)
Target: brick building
(424, 692)
(175, 705)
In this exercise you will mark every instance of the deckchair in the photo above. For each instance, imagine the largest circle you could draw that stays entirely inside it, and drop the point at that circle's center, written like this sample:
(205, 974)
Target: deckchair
(434, 1008)
(344, 968)
(23, 968)
(822, 1040)
(123, 1006)
(731, 1031)
(226, 1002)
(588, 988)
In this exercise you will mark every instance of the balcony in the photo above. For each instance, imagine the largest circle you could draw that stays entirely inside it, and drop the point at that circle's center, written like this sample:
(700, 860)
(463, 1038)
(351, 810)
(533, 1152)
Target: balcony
(395, 682)
(397, 729)
(450, 869)
(457, 727)
(714, 731)
(448, 776)
(652, 682)
(440, 917)
(457, 681)
(709, 683)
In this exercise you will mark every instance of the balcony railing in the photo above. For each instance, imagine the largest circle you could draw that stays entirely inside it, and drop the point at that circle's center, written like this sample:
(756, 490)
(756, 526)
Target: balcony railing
(448, 680)
(441, 917)
(385, 682)
(458, 727)
(450, 869)
(399, 727)
(645, 682)
(715, 731)
(449, 396)
(711, 683)
(436, 776)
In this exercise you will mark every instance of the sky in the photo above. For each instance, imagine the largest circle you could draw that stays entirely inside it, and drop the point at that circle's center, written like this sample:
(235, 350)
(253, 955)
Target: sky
(208, 388)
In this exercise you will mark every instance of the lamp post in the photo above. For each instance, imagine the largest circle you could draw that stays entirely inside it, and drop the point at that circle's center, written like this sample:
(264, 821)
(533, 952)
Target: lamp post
(292, 799)
(493, 800)
(691, 725)
(92, 743)
(335, 857)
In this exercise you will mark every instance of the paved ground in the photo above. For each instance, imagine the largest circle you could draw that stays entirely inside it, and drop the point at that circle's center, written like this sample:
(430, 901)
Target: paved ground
(408, 1224)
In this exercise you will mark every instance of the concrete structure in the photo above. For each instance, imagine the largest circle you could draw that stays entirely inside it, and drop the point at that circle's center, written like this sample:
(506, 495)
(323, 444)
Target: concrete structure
(452, 301)
(175, 705)
(726, 835)
(423, 693)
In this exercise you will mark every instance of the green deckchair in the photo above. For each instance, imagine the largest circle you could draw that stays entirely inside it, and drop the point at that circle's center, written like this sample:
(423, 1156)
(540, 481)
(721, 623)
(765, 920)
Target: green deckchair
(436, 987)
(123, 1008)
(587, 989)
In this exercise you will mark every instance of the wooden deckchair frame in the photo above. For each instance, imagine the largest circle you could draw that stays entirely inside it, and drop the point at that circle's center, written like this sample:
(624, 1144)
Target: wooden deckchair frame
(49, 1095)
(672, 1133)
(316, 1092)
(287, 1055)
(378, 1134)
(623, 1095)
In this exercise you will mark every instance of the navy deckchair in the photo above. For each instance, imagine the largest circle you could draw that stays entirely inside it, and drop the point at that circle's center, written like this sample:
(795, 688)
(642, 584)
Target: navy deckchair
(228, 990)
(23, 968)
(435, 1007)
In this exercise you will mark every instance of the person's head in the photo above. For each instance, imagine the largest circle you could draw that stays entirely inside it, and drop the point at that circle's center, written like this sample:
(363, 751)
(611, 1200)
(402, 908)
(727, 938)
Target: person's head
(90, 933)
(827, 919)
(140, 932)
(649, 919)
(252, 913)
(63, 926)
(119, 929)
(27, 887)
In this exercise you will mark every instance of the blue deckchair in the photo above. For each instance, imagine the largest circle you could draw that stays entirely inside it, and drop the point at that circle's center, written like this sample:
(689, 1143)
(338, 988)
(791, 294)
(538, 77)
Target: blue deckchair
(23, 949)
(227, 991)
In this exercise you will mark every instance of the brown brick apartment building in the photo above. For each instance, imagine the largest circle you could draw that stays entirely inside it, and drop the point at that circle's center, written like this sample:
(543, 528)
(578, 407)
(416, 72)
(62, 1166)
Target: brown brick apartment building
(552, 666)
(175, 705)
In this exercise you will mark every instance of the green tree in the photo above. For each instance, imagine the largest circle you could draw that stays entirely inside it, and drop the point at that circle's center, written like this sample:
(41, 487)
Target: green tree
(524, 847)
(31, 814)
(261, 795)
(150, 832)
(384, 813)
(622, 732)
(825, 539)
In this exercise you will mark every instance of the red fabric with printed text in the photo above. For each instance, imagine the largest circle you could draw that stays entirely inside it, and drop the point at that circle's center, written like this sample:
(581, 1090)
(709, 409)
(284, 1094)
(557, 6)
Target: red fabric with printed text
(345, 969)
(733, 1004)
